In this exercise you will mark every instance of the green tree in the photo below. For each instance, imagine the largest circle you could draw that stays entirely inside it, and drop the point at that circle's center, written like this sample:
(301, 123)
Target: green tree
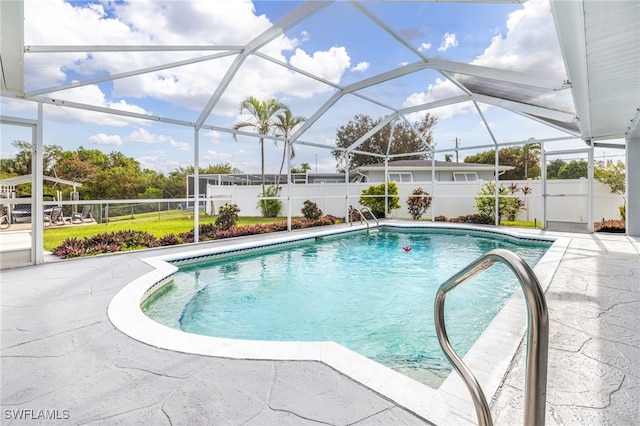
(373, 197)
(302, 169)
(574, 169)
(611, 174)
(553, 168)
(525, 161)
(21, 163)
(530, 160)
(284, 125)
(262, 120)
(509, 205)
(405, 140)
(270, 207)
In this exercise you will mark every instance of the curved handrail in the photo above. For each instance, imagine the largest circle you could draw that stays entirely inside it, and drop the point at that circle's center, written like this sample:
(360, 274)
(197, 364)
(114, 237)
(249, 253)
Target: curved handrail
(535, 392)
(362, 216)
(367, 209)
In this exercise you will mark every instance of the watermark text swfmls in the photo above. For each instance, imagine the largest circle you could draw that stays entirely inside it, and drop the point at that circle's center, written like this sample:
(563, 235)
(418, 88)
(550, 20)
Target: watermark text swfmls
(35, 414)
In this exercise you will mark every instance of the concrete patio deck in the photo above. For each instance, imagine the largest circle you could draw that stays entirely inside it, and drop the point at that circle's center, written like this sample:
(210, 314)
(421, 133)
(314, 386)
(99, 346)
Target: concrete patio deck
(61, 355)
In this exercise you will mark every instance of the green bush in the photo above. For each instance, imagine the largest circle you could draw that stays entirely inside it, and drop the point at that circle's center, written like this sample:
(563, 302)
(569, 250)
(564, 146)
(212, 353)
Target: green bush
(227, 216)
(373, 197)
(310, 210)
(270, 208)
(509, 206)
(418, 202)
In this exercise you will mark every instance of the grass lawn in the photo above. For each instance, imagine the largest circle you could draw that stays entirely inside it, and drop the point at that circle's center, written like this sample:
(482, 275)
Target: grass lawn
(521, 224)
(157, 224)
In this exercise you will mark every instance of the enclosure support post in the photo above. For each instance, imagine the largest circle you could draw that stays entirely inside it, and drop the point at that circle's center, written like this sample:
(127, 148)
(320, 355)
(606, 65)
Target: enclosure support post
(347, 213)
(37, 212)
(497, 201)
(633, 183)
(590, 195)
(288, 148)
(543, 174)
(196, 185)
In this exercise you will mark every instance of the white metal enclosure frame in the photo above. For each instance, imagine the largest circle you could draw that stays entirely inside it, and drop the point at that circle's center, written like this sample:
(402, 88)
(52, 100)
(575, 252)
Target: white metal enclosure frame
(601, 113)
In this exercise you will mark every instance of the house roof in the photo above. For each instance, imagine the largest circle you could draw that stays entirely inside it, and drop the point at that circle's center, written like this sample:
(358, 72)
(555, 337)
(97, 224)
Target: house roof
(440, 165)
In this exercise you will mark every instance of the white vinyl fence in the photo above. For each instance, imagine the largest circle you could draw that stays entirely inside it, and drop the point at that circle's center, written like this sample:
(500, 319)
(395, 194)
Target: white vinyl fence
(567, 200)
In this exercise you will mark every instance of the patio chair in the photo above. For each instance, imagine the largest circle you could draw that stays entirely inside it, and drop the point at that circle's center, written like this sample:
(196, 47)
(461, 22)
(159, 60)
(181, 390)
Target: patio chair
(55, 216)
(83, 216)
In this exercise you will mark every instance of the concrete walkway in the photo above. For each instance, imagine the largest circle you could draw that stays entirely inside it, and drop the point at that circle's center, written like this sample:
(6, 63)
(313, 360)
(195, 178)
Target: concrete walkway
(62, 357)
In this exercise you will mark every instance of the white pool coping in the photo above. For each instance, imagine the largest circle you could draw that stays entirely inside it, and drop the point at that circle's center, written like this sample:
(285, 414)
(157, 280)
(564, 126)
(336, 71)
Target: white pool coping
(489, 358)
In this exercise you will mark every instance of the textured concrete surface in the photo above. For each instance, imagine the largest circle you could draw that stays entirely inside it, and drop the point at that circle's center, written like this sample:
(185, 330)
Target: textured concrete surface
(62, 357)
(594, 345)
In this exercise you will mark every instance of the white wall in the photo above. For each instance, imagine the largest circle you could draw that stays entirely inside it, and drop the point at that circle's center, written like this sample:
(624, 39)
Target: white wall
(567, 199)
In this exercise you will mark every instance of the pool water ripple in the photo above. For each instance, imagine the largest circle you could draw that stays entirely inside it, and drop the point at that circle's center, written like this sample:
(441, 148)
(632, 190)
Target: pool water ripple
(363, 292)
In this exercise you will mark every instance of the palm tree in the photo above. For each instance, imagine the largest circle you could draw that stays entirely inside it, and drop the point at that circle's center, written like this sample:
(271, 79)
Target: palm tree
(529, 153)
(262, 113)
(285, 123)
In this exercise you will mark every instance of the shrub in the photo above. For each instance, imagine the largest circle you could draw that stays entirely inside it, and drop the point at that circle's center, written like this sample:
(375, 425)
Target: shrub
(128, 240)
(373, 197)
(227, 216)
(169, 240)
(613, 225)
(107, 242)
(472, 218)
(310, 210)
(623, 210)
(441, 218)
(509, 206)
(418, 203)
(270, 207)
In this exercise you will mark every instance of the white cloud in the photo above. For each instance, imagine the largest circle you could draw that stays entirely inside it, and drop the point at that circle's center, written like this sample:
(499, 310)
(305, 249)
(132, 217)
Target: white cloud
(329, 64)
(530, 45)
(361, 67)
(144, 136)
(212, 135)
(424, 47)
(448, 40)
(104, 139)
(215, 156)
(182, 146)
(159, 164)
(178, 23)
(93, 95)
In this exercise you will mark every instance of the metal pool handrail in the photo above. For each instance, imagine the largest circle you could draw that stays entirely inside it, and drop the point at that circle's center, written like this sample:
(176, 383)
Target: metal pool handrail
(362, 217)
(535, 392)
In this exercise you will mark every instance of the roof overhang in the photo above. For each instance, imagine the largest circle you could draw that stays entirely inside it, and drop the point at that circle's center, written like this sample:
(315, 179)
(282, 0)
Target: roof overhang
(600, 43)
(12, 46)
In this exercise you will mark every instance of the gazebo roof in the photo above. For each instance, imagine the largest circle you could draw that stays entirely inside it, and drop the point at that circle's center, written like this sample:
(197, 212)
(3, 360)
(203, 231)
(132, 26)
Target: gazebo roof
(20, 180)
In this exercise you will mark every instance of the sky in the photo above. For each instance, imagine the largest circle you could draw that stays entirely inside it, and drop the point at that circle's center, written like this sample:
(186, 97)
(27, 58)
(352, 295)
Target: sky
(339, 43)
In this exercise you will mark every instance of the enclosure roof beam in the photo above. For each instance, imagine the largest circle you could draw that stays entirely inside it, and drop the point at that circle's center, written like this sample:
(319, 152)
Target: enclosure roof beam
(125, 48)
(275, 31)
(131, 73)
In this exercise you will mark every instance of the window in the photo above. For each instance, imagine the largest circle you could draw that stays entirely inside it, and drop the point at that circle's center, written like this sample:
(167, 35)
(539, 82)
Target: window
(465, 176)
(401, 177)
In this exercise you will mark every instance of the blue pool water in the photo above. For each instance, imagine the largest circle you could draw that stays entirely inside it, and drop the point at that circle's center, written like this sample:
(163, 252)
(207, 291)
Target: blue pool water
(364, 292)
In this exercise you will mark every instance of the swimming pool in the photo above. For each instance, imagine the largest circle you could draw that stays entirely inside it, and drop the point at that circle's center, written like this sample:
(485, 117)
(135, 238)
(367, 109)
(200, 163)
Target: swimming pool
(370, 293)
